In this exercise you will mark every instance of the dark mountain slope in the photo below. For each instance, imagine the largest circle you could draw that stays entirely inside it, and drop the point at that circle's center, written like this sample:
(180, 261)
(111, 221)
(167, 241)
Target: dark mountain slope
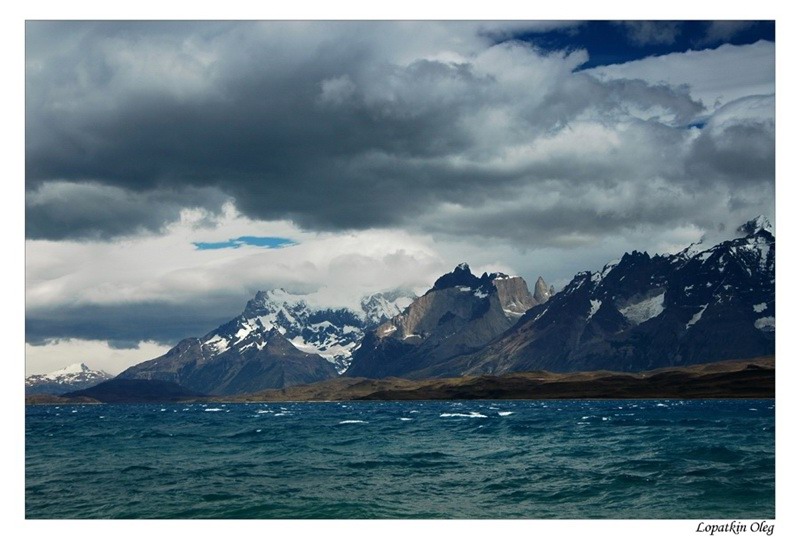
(255, 361)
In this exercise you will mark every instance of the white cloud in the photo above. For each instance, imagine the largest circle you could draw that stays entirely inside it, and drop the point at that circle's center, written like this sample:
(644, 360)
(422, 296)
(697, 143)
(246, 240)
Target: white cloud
(335, 269)
(755, 109)
(714, 76)
(168, 267)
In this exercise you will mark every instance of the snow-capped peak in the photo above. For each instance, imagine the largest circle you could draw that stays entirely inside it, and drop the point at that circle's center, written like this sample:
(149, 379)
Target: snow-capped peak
(381, 307)
(71, 369)
(332, 333)
(759, 223)
(72, 377)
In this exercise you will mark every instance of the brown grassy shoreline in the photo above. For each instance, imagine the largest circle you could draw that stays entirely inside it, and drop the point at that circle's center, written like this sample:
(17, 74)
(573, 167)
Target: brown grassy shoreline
(735, 379)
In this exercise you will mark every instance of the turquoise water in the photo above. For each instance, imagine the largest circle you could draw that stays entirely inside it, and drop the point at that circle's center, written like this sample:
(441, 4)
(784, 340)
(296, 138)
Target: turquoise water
(474, 459)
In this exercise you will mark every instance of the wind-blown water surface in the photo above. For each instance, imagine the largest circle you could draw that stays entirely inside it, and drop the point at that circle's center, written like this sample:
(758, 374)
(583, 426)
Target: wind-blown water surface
(477, 459)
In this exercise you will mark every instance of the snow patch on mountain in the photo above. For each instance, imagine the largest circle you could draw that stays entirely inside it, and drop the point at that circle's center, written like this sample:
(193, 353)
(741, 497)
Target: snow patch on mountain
(697, 316)
(765, 323)
(380, 307)
(72, 369)
(644, 310)
(608, 268)
(594, 305)
(690, 251)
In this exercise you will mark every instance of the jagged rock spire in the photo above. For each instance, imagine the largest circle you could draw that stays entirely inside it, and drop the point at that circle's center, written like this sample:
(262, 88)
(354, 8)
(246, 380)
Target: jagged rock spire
(541, 292)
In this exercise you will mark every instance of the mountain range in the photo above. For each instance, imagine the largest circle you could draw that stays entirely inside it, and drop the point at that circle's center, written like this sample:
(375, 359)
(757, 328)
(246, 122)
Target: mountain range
(706, 303)
(644, 312)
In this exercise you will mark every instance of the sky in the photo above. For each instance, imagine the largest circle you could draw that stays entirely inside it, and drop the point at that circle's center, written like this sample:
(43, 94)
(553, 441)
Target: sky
(175, 168)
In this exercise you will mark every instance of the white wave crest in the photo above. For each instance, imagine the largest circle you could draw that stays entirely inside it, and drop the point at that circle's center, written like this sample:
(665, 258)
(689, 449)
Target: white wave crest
(460, 415)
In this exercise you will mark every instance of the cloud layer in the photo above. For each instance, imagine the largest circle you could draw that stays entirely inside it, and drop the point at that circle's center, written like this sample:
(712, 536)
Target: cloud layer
(349, 126)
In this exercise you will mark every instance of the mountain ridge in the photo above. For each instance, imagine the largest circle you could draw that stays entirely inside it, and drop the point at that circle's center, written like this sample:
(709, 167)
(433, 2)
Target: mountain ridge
(647, 311)
(257, 360)
(278, 340)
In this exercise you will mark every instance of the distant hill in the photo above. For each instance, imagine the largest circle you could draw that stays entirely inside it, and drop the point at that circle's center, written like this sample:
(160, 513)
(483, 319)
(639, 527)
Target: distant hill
(71, 378)
(255, 361)
(134, 391)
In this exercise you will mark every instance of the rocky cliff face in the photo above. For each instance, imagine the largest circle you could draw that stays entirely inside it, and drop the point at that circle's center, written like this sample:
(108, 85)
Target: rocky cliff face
(542, 293)
(460, 313)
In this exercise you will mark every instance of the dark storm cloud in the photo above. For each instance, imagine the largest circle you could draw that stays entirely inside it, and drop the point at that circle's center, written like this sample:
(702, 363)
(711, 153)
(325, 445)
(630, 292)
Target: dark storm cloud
(578, 222)
(126, 325)
(59, 210)
(334, 126)
(742, 153)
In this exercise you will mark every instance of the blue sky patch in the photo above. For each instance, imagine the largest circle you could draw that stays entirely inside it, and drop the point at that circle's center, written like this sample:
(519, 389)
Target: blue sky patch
(260, 242)
(609, 42)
